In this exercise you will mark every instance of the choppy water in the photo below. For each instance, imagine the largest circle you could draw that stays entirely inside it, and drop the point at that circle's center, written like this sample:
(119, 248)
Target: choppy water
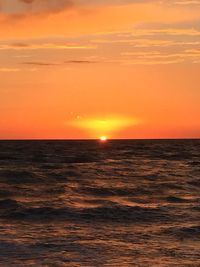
(85, 203)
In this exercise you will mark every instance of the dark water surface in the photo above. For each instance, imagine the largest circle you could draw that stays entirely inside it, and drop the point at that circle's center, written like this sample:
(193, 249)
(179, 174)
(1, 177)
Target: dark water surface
(86, 203)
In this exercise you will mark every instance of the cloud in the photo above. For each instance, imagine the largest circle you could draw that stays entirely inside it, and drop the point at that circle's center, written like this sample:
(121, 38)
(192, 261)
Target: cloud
(9, 69)
(25, 7)
(39, 63)
(46, 64)
(144, 42)
(49, 64)
(153, 62)
(187, 2)
(164, 44)
(27, 46)
(159, 58)
(125, 2)
(76, 17)
(80, 61)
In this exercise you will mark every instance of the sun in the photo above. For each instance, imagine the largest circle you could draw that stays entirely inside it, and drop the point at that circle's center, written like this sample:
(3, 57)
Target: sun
(103, 138)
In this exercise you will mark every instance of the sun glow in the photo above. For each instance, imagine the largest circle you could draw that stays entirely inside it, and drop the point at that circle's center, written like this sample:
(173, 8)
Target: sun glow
(95, 127)
(103, 138)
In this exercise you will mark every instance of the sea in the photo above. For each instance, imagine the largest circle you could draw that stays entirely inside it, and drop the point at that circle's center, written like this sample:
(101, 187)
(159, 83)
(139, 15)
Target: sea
(86, 203)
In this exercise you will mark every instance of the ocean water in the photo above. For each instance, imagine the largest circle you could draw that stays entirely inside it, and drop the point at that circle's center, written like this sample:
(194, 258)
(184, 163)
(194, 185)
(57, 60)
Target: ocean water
(87, 203)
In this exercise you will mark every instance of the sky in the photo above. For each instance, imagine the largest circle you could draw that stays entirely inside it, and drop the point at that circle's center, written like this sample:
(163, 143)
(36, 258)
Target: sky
(78, 69)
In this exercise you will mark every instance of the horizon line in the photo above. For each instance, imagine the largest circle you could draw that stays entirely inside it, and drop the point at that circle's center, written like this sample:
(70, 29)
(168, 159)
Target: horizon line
(97, 139)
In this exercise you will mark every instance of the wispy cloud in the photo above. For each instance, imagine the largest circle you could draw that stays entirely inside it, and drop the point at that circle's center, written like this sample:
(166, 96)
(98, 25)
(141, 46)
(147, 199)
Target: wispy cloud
(40, 63)
(49, 64)
(26, 46)
(187, 2)
(159, 45)
(150, 42)
(9, 69)
(80, 61)
(25, 7)
(153, 62)
(164, 44)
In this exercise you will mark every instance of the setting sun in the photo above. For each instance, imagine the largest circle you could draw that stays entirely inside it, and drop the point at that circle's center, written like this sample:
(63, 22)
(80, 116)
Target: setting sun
(103, 138)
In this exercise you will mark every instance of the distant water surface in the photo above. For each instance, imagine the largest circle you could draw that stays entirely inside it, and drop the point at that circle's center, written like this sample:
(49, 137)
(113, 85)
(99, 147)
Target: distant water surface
(88, 204)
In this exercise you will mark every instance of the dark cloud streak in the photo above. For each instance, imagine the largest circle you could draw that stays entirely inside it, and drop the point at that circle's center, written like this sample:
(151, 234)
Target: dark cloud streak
(79, 62)
(39, 63)
(43, 64)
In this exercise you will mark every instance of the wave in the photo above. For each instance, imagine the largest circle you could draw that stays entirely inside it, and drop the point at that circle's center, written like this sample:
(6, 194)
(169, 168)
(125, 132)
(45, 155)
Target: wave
(9, 204)
(7, 157)
(5, 193)
(69, 159)
(184, 232)
(195, 183)
(18, 177)
(174, 199)
(109, 191)
(116, 213)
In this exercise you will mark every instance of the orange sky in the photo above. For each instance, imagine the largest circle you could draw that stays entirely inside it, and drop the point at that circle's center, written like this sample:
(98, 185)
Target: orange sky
(124, 69)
